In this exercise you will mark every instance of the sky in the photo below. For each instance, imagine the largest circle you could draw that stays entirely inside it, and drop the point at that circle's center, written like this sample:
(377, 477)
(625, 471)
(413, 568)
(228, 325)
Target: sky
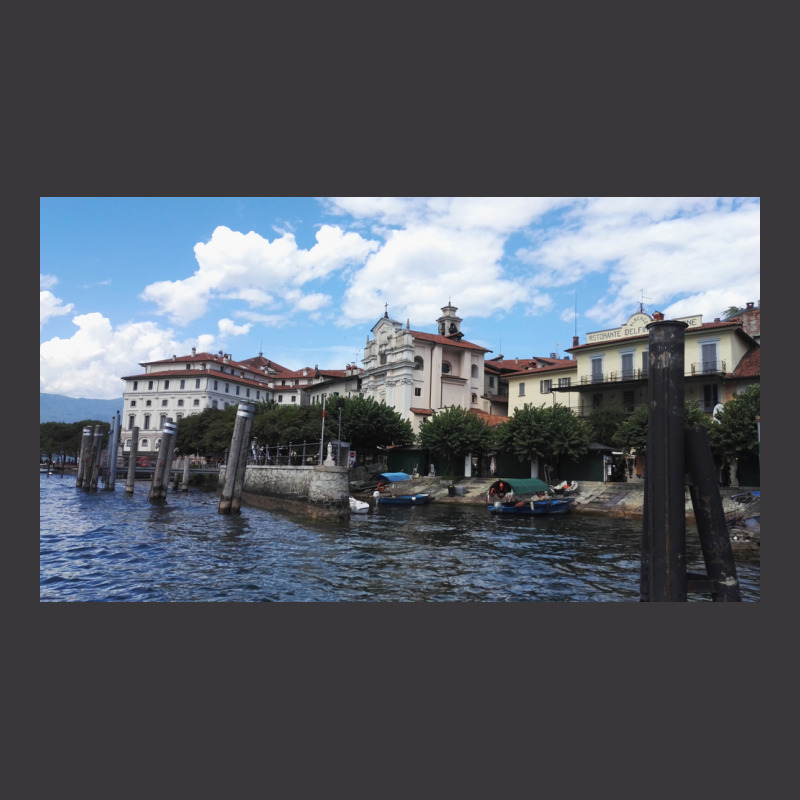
(127, 280)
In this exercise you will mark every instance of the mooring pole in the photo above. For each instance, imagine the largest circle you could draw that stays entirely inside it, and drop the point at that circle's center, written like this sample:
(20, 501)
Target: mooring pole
(185, 484)
(84, 457)
(712, 527)
(161, 460)
(133, 457)
(170, 444)
(663, 573)
(97, 443)
(230, 502)
(113, 447)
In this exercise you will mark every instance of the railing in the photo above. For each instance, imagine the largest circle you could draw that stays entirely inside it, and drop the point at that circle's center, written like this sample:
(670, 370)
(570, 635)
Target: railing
(708, 368)
(293, 454)
(615, 377)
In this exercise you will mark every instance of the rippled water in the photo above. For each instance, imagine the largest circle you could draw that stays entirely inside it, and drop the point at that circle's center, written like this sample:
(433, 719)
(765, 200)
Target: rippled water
(113, 546)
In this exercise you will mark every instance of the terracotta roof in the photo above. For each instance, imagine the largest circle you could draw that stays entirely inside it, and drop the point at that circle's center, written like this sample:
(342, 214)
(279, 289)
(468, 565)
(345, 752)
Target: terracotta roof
(491, 419)
(750, 365)
(443, 340)
(515, 364)
(261, 383)
(426, 412)
(562, 364)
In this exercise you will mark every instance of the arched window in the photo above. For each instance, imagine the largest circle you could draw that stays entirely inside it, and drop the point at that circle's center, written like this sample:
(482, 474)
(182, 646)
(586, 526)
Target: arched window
(474, 398)
(445, 367)
(144, 444)
(418, 362)
(474, 370)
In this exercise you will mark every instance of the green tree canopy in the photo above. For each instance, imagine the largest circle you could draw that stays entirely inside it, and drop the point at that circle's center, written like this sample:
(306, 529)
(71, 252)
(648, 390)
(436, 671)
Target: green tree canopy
(603, 424)
(60, 440)
(368, 425)
(735, 433)
(632, 433)
(207, 434)
(454, 433)
(548, 433)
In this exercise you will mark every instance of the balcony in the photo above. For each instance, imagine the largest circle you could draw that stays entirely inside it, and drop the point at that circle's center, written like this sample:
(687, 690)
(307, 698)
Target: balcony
(708, 368)
(617, 376)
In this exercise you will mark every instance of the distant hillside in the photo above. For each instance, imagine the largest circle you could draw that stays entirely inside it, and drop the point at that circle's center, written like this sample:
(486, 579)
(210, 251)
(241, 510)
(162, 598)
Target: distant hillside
(57, 408)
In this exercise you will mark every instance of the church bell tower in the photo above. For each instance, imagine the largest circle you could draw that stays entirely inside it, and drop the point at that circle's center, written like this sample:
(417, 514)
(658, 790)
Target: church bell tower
(449, 323)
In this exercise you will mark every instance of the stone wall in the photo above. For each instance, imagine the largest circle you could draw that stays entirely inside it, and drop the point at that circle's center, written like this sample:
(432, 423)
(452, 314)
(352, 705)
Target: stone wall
(318, 491)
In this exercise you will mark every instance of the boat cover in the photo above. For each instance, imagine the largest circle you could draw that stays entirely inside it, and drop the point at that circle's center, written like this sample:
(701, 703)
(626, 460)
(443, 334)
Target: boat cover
(521, 485)
(396, 476)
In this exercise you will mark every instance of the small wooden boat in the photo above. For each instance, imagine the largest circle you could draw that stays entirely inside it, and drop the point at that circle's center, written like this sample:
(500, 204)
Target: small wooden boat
(506, 497)
(533, 508)
(417, 499)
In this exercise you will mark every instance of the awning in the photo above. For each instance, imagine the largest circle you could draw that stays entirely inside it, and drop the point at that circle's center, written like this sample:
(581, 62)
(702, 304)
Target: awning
(520, 485)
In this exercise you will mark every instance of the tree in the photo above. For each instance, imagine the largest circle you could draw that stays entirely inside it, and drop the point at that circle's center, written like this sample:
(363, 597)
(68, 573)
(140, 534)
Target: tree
(454, 433)
(369, 425)
(62, 440)
(603, 424)
(548, 433)
(207, 434)
(735, 433)
(632, 433)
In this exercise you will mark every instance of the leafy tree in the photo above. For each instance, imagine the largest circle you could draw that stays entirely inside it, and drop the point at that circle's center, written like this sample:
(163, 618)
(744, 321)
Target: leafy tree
(206, 434)
(730, 311)
(61, 440)
(454, 433)
(632, 433)
(735, 433)
(368, 425)
(603, 424)
(547, 433)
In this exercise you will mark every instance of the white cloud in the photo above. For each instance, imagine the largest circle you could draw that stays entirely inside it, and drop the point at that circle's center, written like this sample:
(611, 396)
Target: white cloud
(51, 306)
(254, 269)
(91, 362)
(228, 328)
(47, 281)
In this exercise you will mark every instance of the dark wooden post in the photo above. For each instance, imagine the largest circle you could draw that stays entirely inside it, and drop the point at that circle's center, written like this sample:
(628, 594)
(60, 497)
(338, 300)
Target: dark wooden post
(712, 527)
(663, 574)
(186, 465)
(84, 458)
(94, 471)
(133, 457)
(113, 448)
(230, 502)
(170, 456)
(161, 460)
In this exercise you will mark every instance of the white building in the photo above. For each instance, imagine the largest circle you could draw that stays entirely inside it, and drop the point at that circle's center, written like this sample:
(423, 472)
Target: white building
(419, 373)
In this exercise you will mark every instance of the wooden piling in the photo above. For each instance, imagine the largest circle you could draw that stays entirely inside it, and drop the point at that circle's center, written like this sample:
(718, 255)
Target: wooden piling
(712, 527)
(230, 502)
(170, 444)
(186, 465)
(663, 572)
(158, 471)
(133, 457)
(84, 457)
(113, 448)
(97, 446)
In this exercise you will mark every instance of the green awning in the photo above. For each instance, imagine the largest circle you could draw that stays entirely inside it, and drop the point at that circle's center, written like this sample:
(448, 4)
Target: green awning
(522, 485)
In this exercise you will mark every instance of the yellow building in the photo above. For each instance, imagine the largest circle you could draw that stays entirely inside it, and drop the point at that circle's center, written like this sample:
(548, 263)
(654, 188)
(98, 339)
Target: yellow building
(611, 369)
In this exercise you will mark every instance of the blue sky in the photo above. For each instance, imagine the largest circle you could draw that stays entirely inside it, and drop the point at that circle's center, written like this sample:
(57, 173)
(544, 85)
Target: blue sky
(124, 280)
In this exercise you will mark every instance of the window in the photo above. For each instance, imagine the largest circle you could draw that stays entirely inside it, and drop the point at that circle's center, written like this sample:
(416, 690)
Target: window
(417, 391)
(133, 404)
(147, 422)
(474, 370)
(128, 444)
(166, 384)
(144, 444)
(131, 421)
(213, 404)
(197, 383)
(445, 367)
(708, 356)
(474, 398)
(149, 384)
(135, 385)
(710, 396)
(294, 398)
(179, 416)
(522, 390)
(183, 384)
(195, 402)
(627, 365)
(180, 402)
(162, 421)
(148, 402)
(247, 391)
(163, 403)
(227, 388)
(546, 387)
(627, 402)
(564, 383)
(418, 362)
(296, 381)
(237, 390)
(280, 398)
(491, 381)
(597, 369)
(216, 385)
(646, 363)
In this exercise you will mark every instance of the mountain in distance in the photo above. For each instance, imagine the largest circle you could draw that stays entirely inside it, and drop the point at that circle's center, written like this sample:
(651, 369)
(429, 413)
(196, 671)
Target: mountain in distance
(58, 408)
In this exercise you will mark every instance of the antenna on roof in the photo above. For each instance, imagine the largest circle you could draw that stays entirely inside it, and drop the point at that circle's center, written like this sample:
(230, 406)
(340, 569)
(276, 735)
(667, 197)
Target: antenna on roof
(576, 312)
(641, 304)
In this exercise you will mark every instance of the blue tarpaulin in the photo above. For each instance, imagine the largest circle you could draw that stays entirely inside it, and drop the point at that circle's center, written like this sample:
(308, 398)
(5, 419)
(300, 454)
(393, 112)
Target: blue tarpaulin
(396, 476)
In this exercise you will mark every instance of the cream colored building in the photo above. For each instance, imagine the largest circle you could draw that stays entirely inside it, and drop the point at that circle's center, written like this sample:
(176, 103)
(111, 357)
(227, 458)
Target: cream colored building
(535, 386)
(612, 367)
(419, 373)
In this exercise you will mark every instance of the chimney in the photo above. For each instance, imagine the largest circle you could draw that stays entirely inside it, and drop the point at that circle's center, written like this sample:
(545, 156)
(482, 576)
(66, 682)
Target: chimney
(749, 306)
(658, 316)
(194, 351)
(575, 341)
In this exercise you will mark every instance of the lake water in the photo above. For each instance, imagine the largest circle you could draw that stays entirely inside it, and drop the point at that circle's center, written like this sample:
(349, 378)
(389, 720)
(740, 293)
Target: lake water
(115, 547)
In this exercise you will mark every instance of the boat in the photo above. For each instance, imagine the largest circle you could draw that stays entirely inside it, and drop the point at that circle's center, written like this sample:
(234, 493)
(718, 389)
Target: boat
(416, 499)
(358, 506)
(565, 487)
(525, 497)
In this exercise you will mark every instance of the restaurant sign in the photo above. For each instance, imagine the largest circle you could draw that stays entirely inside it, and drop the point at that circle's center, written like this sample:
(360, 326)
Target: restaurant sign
(635, 326)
